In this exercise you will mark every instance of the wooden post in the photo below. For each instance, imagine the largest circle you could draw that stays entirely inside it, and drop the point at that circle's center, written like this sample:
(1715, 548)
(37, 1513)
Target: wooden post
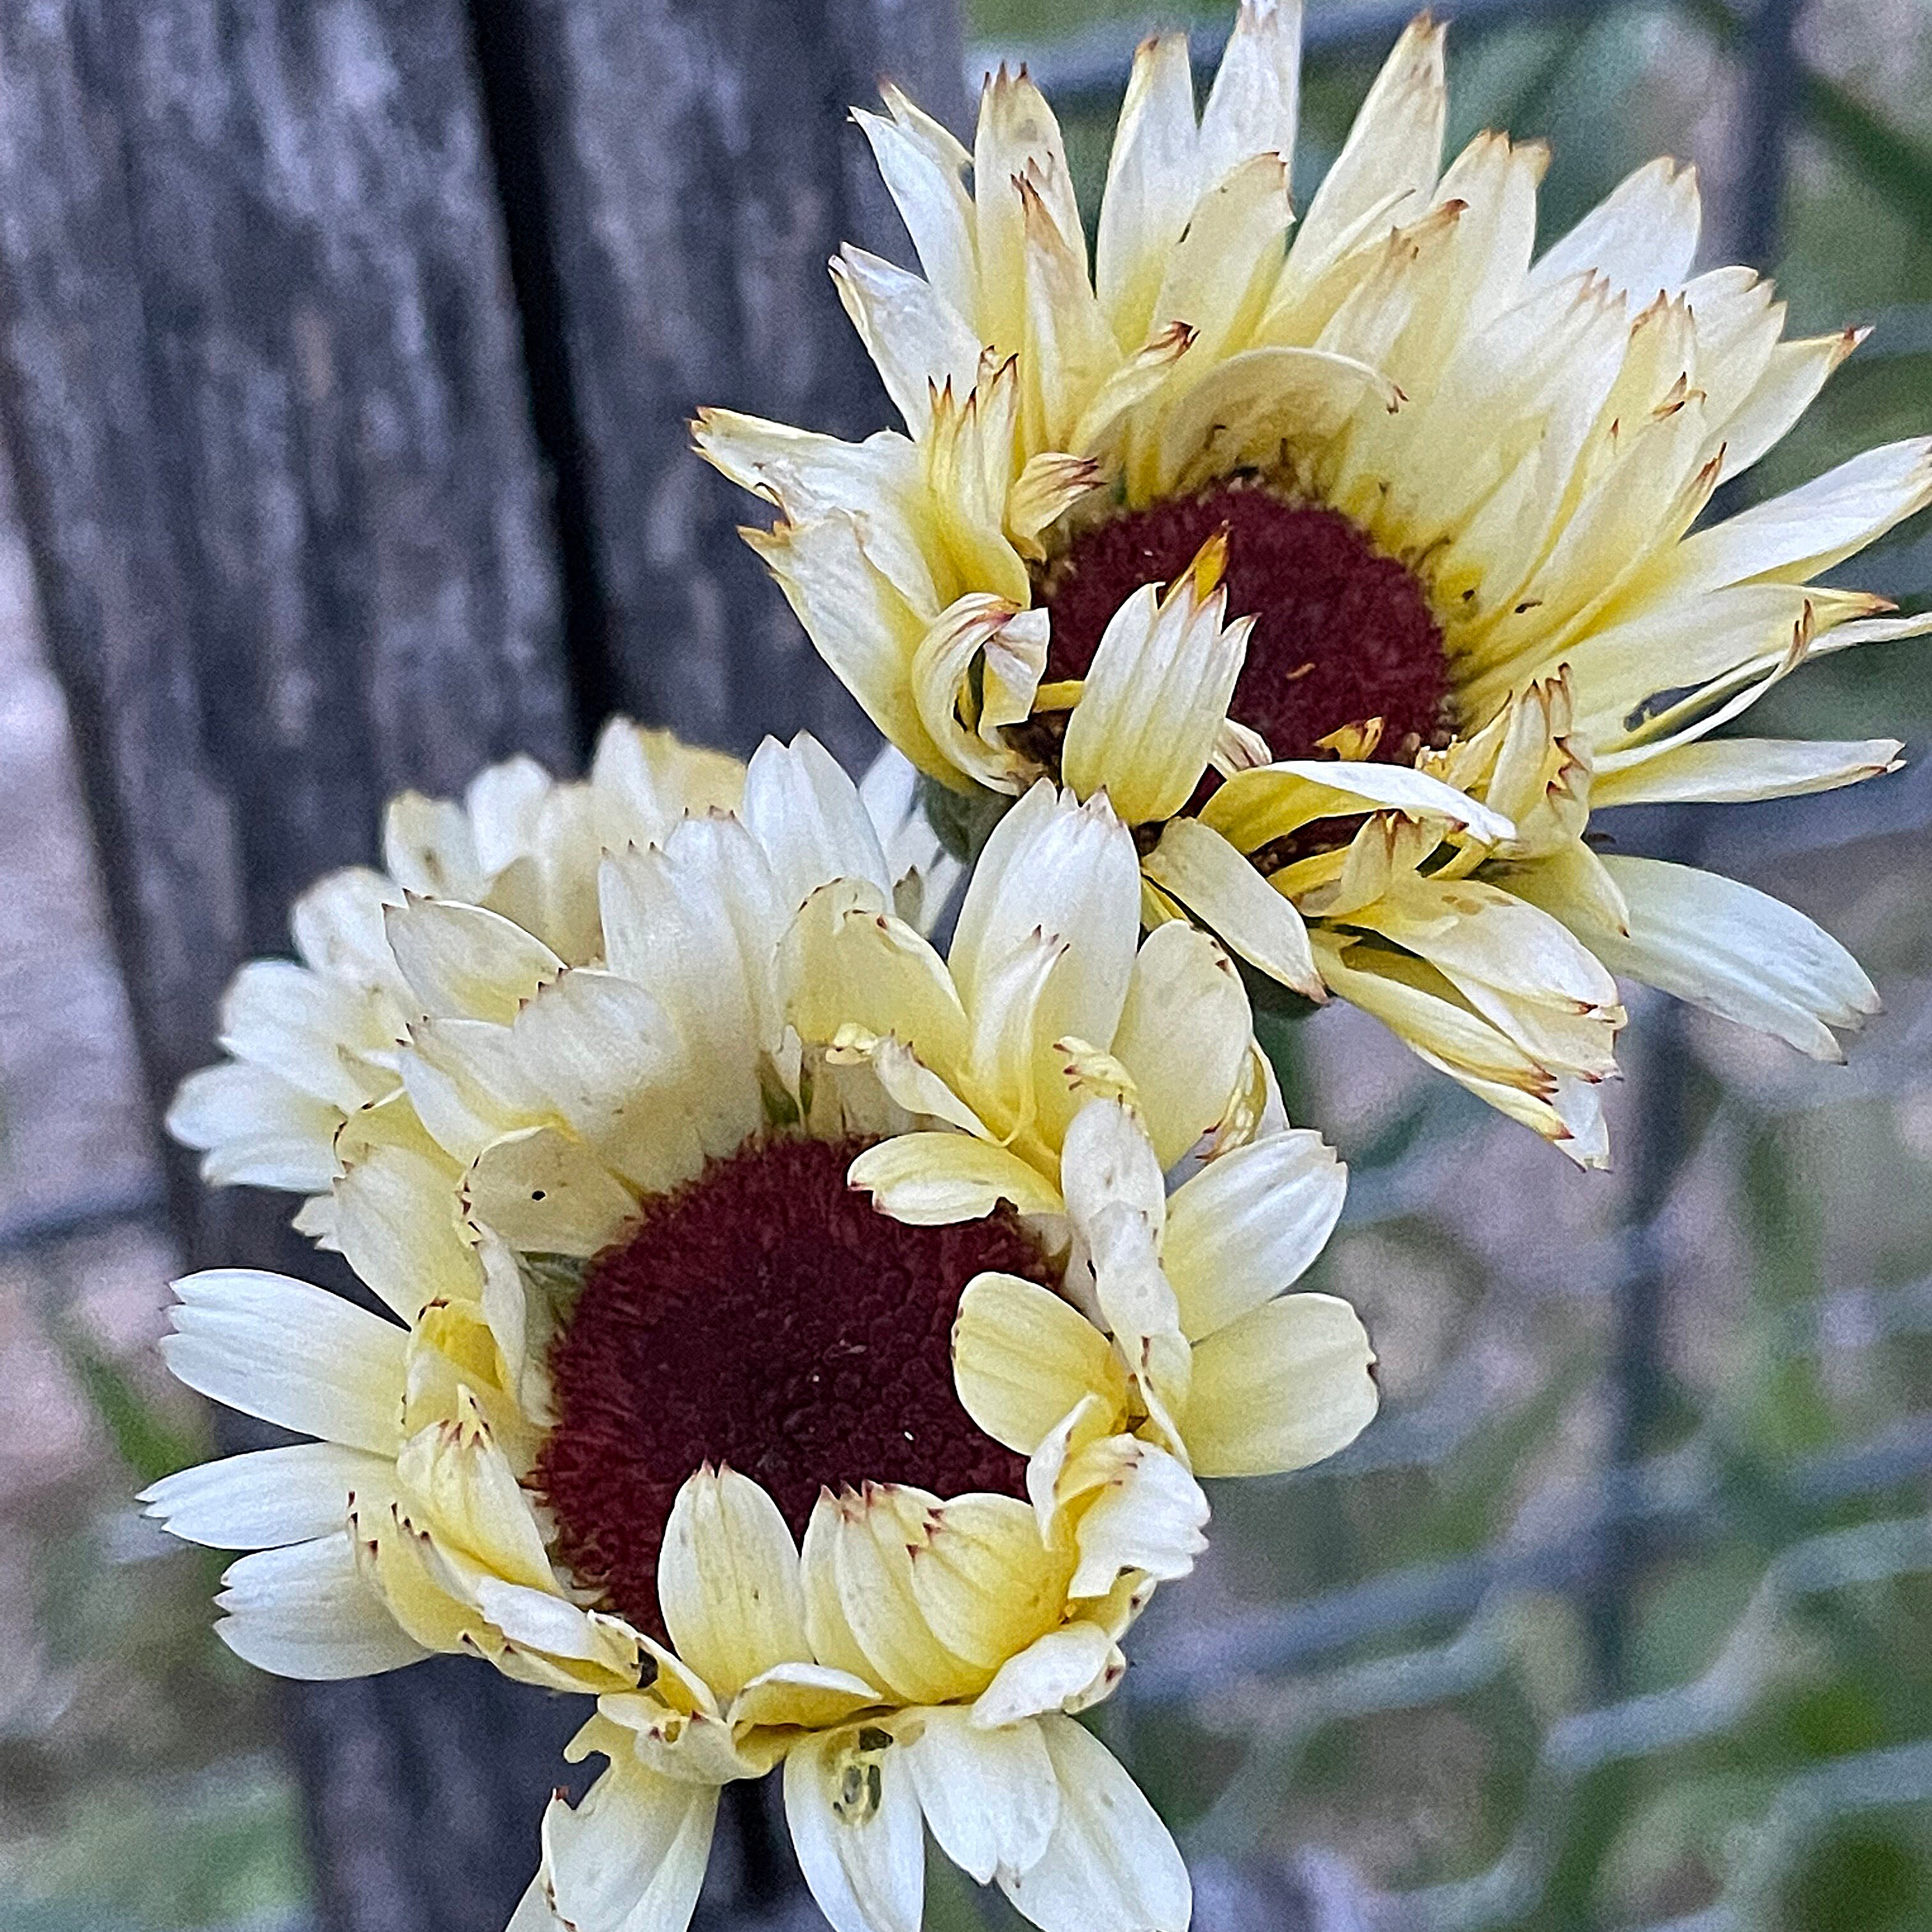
(690, 167)
(346, 351)
(263, 393)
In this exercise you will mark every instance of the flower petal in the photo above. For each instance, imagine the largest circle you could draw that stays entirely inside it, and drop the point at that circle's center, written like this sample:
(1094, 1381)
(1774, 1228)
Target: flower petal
(1222, 266)
(923, 872)
(805, 812)
(918, 342)
(1736, 952)
(1156, 695)
(1056, 867)
(1392, 156)
(990, 1796)
(728, 1582)
(1146, 1514)
(428, 848)
(1418, 1004)
(929, 1179)
(1280, 1387)
(1248, 1225)
(854, 964)
(1058, 1669)
(267, 1498)
(632, 1857)
(1795, 536)
(1110, 1865)
(304, 1610)
(808, 1694)
(1208, 876)
(545, 1192)
(256, 1129)
(291, 1354)
(1734, 769)
(1255, 806)
(1183, 1035)
(455, 1483)
(463, 960)
(602, 1055)
(862, 1607)
(1641, 235)
(318, 1032)
(864, 625)
(1252, 106)
(985, 1582)
(697, 922)
(1244, 410)
(1480, 935)
(1152, 182)
(853, 1806)
(1022, 1357)
(1790, 384)
(399, 1225)
(921, 164)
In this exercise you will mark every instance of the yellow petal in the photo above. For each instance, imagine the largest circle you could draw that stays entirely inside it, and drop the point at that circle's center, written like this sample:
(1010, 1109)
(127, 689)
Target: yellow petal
(546, 1193)
(1184, 1037)
(990, 1797)
(728, 1582)
(1022, 1357)
(1154, 699)
(808, 1695)
(930, 1178)
(455, 1483)
(460, 959)
(862, 1605)
(1280, 1387)
(1208, 875)
(1245, 1227)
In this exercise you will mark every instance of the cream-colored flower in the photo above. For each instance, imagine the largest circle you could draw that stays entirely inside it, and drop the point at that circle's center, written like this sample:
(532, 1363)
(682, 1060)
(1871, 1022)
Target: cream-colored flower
(403, 1528)
(313, 1040)
(1446, 489)
(700, 1400)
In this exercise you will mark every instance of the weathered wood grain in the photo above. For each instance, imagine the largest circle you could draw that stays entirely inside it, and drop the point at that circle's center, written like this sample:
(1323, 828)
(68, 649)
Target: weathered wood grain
(263, 391)
(346, 350)
(694, 169)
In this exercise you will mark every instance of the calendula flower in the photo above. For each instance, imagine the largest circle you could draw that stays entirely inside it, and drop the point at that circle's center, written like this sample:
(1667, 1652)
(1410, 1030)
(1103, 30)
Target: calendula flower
(806, 1343)
(312, 1040)
(1445, 489)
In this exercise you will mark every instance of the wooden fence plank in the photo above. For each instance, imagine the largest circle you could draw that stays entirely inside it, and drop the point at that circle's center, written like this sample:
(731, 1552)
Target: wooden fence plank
(279, 382)
(263, 391)
(694, 170)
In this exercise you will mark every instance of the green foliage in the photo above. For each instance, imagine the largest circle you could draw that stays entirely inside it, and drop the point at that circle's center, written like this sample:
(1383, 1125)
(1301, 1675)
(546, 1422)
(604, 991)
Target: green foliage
(149, 1441)
(1859, 1878)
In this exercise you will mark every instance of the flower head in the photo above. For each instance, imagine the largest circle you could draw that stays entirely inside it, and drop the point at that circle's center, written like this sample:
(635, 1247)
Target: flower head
(804, 1342)
(312, 1042)
(1355, 555)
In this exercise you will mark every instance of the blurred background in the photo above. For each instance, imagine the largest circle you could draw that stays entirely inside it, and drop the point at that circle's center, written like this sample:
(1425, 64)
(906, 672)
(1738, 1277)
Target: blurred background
(343, 354)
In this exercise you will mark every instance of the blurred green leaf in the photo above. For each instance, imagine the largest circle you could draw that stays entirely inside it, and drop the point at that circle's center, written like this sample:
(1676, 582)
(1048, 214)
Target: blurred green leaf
(148, 1442)
(1859, 1878)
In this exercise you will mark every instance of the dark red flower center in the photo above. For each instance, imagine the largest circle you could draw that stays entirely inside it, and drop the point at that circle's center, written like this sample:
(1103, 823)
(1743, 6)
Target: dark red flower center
(1342, 633)
(768, 1316)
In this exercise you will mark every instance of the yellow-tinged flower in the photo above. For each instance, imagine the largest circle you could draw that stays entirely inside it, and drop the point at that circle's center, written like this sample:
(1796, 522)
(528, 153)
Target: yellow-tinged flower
(311, 1041)
(806, 1343)
(1445, 491)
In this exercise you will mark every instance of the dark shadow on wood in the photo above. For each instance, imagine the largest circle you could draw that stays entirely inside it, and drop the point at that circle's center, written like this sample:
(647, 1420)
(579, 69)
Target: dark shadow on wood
(509, 98)
(688, 169)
